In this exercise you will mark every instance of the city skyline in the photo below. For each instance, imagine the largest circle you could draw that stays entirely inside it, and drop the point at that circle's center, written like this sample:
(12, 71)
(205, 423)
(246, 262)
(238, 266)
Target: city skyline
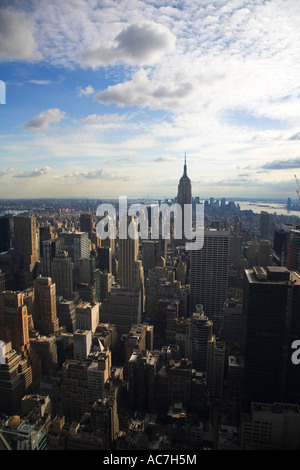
(106, 99)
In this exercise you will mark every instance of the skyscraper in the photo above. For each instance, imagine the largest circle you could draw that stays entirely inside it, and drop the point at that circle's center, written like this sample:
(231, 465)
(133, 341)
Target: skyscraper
(5, 241)
(270, 325)
(130, 267)
(86, 224)
(77, 244)
(209, 275)
(45, 313)
(199, 338)
(63, 274)
(25, 250)
(184, 196)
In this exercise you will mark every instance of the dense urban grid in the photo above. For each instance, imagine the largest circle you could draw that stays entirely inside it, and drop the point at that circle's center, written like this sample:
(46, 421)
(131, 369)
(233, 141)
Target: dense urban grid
(141, 344)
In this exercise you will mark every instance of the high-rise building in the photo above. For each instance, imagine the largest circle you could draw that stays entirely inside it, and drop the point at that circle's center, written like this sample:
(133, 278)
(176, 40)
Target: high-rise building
(265, 225)
(25, 255)
(66, 314)
(271, 426)
(63, 274)
(151, 254)
(104, 261)
(45, 312)
(86, 224)
(130, 270)
(74, 389)
(14, 321)
(90, 274)
(293, 255)
(98, 373)
(209, 275)
(270, 325)
(184, 196)
(77, 244)
(82, 344)
(123, 308)
(87, 316)
(199, 339)
(5, 235)
(48, 249)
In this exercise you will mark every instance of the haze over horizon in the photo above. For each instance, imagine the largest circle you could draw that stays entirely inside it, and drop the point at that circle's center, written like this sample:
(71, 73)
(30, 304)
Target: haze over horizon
(105, 98)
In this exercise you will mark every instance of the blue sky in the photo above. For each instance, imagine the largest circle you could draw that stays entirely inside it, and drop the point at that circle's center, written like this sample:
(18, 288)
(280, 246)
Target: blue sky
(103, 98)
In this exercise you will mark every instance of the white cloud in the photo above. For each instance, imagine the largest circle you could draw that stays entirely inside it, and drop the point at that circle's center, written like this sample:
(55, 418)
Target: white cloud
(42, 120)
(88, 90)
(17, 41)
(37, 172)
(98, 118)
(139, 44)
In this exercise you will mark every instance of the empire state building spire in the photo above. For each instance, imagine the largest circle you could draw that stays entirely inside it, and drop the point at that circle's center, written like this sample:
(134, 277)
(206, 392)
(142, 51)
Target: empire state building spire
(184, 194)
(185, 167)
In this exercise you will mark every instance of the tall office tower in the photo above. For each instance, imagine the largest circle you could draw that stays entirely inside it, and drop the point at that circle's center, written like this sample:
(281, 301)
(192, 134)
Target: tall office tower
(280, 246)
(66, 314)
(199, 339)
(45, 347)
(271, 426)
(46, 234)
(123, 308)
(25, 253)
(293, 255)
(141, 380)
(235, 368)
(14, 321)
(82, 344)
(5, 238)
(45, 313)
(104, 261)
(130, 270)
(184, 196)
(265, 225)
(48, 250)
(235, 249)
(87, 316)
(77, 244)
(166, 313)
(63, 274)
(86, 224)
(98, 374)
(270, 325)
(104, 417)
(90, 274)
(151, 254)
(232, 321)
(265, 257)
(179, 382)
(209, 275)
(74, 389)
(106, 282)
(134, 341)
(13, 381)
(215, 369)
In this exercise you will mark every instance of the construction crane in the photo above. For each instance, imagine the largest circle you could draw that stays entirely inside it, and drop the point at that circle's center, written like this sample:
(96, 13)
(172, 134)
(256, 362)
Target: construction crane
(297, 190)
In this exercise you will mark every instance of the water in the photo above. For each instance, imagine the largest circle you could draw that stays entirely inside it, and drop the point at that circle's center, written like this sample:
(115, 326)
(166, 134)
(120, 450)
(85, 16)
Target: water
(271, 207)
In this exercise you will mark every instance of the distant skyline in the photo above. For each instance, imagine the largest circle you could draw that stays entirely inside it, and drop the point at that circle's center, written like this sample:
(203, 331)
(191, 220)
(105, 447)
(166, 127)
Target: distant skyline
(104, 98)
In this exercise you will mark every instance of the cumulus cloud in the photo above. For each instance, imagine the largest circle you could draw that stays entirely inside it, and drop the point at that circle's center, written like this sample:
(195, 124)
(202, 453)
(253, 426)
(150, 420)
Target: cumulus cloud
(42, 120)
(7, 171)
(141, 91)
(17, 41)
(137, 44)
(88, 90)
(283, 164)
(37, 172)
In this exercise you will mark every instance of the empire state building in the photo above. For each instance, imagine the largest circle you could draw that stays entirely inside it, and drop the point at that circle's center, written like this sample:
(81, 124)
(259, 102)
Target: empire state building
(184, 195)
